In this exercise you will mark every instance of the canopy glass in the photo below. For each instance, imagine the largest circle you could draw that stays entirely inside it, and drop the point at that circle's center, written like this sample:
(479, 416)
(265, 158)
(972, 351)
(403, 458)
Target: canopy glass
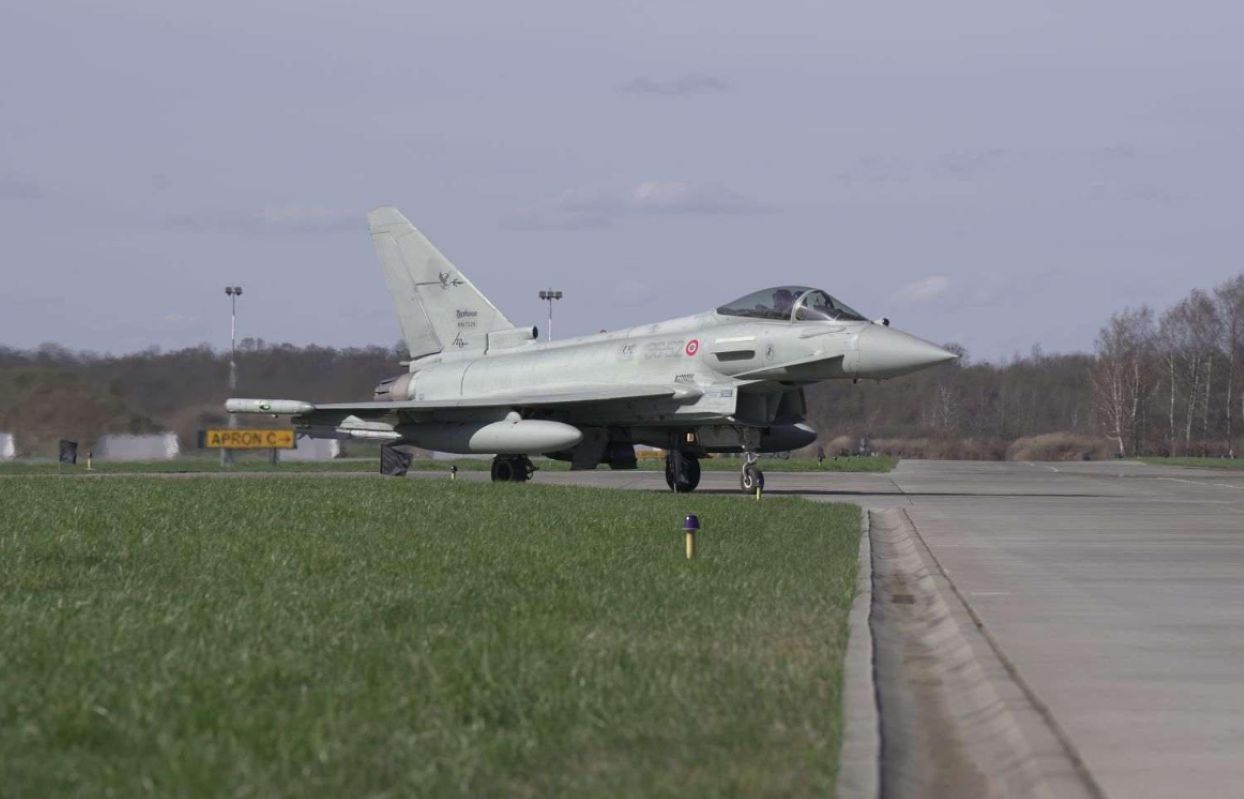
(792, 303)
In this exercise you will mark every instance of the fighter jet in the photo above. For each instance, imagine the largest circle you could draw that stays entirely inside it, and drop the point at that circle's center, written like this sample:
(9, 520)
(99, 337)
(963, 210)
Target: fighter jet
(729, 380)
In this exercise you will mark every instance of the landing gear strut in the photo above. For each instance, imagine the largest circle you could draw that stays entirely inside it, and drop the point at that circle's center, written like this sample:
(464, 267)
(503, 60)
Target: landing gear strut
(751, 478)
(682, 472)
(512, 469)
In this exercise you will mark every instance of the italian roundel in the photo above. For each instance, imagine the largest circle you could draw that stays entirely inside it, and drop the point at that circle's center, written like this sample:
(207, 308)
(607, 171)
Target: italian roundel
(693, 346)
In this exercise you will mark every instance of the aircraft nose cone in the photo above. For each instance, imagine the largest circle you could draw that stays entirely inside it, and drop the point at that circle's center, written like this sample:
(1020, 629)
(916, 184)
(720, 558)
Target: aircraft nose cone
(886, 352)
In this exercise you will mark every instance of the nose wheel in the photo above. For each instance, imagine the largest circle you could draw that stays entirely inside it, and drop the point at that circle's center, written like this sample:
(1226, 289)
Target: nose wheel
(751, 477)
(512, 469)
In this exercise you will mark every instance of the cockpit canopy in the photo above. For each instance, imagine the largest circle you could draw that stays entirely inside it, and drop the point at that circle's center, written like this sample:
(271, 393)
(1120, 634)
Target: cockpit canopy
(792, 304)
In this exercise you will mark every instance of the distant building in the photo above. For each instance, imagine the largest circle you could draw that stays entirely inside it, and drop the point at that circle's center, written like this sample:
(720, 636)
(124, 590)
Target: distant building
(154, 447)
(312, 449)
(8, 448)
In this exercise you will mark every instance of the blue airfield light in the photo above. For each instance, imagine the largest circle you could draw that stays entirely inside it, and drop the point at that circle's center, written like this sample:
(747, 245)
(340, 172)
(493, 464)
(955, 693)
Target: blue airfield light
(691, 523)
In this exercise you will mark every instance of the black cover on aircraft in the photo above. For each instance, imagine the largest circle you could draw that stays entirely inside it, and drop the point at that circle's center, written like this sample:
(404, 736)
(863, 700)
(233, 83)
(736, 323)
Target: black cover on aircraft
(394, 461)
(68, 451)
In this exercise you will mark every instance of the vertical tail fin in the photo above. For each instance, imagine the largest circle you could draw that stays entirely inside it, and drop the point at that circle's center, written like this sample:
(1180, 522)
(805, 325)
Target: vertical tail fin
(439, 309)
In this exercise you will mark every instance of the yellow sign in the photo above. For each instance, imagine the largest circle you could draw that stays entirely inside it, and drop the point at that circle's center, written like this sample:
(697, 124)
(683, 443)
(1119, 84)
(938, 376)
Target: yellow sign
(250, 438)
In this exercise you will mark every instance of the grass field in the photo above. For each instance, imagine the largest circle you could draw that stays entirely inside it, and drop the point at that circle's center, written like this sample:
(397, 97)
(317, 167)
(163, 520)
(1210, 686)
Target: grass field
(880, 463)
(1199, 463)
(415, 638)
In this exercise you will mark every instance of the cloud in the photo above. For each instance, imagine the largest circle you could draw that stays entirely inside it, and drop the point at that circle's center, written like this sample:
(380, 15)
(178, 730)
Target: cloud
(875, 170)
(580, 209)
(970, 164)
(19, 187)
(631, 293)
(551, 218)
(272, 220)
(178, 321)
(659, 197)
(683, 86)
(923, 290)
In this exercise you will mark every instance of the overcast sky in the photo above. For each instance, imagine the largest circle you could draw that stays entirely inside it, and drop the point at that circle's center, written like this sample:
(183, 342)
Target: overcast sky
(996, 174)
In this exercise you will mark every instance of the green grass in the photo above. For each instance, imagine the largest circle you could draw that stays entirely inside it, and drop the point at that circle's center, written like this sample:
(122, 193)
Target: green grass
(1199, 463)
(414, 638)
(196, 464)
(192, 465)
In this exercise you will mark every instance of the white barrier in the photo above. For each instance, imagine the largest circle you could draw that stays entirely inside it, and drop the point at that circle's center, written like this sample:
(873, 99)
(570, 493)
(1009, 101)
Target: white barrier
(8, 449)
(154, 447)
(312, 449)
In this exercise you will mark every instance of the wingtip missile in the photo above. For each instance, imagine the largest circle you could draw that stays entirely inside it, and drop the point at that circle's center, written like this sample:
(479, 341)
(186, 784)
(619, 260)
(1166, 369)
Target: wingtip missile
(276, 407)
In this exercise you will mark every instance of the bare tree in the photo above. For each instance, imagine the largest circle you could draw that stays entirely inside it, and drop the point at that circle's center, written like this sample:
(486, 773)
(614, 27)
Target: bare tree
(1207, 334)
(1169, 347)
(1122, 375)
(1229, 299)
(1188, 337)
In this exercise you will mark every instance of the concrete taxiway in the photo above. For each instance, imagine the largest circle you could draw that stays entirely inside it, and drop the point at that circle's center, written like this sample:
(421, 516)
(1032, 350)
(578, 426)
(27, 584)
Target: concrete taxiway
(1113, 594)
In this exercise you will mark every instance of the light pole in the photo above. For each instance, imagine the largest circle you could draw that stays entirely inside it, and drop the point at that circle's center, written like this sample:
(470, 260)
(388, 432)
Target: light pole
(226, 455)
(550, 295)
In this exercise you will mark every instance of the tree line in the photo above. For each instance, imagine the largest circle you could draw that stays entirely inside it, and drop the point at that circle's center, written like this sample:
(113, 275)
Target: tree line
(1157, 383)
(51, 392)
(1165, 383)
(1169, 383)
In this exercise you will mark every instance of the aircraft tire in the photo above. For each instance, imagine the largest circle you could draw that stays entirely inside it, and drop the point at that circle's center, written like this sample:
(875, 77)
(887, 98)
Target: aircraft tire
(691, 476)
(751, 479)
(512, 469)
(502, 470)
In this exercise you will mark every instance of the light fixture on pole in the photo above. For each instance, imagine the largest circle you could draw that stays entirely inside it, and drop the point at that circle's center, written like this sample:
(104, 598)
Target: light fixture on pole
(233, 292)
(550, 295)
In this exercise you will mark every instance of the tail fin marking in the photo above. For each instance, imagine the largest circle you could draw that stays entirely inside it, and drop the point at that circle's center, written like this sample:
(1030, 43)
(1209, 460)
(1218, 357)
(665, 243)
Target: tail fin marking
(438, 307)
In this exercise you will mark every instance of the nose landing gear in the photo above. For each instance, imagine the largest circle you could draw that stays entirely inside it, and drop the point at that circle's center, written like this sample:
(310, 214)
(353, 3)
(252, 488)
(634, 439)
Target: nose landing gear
(752, 477)
(512, 469)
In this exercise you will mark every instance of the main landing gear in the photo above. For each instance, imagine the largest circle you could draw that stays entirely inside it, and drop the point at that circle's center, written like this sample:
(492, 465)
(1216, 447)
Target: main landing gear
(512, 469)
(682, 472)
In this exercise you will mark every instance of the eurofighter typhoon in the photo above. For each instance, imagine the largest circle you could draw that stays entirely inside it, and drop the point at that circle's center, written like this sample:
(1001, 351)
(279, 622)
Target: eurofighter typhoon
(726, 380)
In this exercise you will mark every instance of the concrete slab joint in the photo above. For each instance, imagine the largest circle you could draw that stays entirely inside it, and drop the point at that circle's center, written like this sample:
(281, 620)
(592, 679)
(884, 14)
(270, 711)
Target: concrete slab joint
(953, 721)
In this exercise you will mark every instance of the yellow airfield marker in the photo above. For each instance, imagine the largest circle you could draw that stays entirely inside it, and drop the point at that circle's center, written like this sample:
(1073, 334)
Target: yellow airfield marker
(690, 525)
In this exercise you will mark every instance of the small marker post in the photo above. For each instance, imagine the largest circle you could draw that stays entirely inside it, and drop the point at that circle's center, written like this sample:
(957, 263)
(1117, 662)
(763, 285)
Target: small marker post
(89, 455)
(757, 492)
(453, 472)
(690, 526)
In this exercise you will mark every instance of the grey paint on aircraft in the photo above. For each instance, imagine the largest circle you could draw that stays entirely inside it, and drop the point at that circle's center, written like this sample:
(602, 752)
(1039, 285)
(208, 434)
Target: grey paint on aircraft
(726, 380)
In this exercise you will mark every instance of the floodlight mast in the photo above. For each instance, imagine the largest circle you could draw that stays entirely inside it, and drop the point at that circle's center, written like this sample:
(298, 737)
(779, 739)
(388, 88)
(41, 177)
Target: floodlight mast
(549, 295)
(233, 292)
